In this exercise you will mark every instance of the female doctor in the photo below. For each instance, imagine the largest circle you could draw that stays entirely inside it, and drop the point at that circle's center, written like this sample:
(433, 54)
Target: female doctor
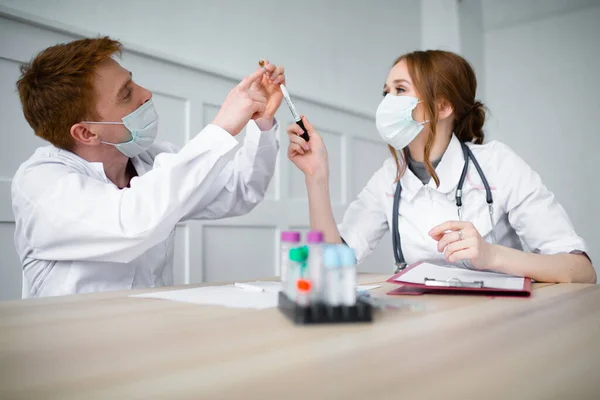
(446, 196)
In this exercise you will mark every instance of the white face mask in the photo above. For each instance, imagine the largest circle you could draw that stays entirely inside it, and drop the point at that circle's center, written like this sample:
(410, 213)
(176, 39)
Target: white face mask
(394, 120)
(143, 126)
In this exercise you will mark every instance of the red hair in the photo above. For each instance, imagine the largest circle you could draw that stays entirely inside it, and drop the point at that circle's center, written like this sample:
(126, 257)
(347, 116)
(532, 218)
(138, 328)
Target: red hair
(442, 75)
(56, 87)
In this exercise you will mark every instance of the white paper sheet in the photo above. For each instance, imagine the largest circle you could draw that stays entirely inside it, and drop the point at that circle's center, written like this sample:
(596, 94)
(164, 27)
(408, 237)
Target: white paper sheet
(444, 273)
(230, 295)
(365, 288)
(226, 296)
(267, 286)
(276, 286)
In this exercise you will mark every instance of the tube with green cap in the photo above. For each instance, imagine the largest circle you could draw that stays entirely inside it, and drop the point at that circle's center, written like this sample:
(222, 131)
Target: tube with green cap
(298, 257)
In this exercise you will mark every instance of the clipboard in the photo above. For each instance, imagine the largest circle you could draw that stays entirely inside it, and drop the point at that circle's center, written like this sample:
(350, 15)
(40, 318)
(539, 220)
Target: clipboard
(432, 285)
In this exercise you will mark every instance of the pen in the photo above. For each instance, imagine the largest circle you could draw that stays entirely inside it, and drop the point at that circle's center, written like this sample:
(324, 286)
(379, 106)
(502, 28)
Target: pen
(246, 286)
(288, 100)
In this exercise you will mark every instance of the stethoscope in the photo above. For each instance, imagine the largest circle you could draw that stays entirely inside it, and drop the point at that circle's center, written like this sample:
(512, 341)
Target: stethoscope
(468, 154)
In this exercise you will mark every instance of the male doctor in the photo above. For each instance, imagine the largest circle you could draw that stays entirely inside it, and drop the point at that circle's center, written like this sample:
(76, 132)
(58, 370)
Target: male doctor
(96, 210)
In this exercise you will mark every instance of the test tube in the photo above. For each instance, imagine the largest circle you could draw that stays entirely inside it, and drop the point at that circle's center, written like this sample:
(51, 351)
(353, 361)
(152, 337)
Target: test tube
(315, 263)
(331, 262)
(288, 240)
(303, 288)
(298, 256)
(348, 275)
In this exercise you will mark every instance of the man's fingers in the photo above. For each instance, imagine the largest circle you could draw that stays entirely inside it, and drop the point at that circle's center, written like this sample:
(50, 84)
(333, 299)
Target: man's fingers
(259, 108)
(256, 96)
(278, 71)
(247, 81)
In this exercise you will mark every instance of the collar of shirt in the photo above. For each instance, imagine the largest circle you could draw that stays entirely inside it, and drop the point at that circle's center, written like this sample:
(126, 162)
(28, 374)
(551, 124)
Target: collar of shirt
(448, 171)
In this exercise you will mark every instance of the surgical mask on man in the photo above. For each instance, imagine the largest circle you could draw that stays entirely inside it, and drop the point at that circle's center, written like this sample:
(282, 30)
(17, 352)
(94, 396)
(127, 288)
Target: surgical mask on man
(394, 120)
(143, 126)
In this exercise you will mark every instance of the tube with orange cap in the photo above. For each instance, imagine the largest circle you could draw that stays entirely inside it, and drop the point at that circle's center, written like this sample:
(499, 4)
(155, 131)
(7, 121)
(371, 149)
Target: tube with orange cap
(303, 287)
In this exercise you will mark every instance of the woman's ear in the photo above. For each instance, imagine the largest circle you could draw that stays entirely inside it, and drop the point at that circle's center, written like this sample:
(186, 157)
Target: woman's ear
(445, 109)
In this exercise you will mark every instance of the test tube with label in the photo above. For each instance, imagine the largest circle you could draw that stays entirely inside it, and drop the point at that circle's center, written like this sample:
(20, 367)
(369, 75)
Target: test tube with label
(315, 264)
(348, 275)
(331, 263)
(288, 240)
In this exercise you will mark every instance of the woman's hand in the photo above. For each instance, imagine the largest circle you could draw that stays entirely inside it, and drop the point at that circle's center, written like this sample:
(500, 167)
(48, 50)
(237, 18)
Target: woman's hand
(460, 241)
(310, 157)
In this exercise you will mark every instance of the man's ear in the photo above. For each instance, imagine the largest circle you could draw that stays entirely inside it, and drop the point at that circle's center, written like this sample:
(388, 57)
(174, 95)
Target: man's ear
(81, 133)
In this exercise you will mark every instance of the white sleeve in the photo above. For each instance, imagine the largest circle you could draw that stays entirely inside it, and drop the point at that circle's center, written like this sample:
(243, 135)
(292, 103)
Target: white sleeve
(75, 217)
(365, 221)
(533, 211)
(244, 181)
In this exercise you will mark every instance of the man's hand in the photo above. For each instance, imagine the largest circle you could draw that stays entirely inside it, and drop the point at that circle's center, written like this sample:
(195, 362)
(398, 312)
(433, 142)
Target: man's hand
(268, 86)
(246, 101)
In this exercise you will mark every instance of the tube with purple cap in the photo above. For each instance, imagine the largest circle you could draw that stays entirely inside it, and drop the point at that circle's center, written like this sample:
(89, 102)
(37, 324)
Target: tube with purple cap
(289, 240)
(314, 239)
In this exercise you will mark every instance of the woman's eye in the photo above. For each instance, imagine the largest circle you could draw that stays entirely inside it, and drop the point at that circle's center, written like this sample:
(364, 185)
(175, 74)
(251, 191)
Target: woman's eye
(399, 91)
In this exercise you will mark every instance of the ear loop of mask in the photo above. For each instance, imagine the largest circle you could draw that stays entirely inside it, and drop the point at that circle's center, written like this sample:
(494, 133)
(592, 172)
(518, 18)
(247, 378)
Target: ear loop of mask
(419, 123)
(108, 123)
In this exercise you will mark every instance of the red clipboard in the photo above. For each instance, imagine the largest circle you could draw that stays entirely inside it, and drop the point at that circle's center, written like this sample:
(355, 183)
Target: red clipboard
(409, 288)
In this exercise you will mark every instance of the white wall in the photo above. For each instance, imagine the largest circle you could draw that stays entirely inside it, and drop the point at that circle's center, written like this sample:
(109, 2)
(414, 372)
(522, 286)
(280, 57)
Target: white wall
(455, 26)
(335, 51)
(472, 45)
(535, 61)
(506, 13)
(542, 86)
(440, 25)
(187, 97)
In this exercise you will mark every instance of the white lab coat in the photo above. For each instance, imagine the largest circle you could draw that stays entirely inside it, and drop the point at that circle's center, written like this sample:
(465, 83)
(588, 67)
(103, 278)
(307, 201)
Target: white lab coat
(76, 232)
(526, 214)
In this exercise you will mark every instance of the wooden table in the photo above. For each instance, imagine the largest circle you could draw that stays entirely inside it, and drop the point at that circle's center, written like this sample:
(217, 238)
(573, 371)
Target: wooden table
(111, 346)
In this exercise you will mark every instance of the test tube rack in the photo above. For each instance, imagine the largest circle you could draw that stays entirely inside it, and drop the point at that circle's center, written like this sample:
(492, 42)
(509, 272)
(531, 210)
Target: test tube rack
(320, 313)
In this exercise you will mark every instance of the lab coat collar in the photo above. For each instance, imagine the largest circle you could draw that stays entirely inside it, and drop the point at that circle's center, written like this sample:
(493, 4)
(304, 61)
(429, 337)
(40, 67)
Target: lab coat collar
(92, 168)
(97, 168)
(448, 171)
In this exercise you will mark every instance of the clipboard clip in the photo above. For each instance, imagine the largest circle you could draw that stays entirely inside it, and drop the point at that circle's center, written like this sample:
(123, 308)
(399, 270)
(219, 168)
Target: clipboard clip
(454, 282)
